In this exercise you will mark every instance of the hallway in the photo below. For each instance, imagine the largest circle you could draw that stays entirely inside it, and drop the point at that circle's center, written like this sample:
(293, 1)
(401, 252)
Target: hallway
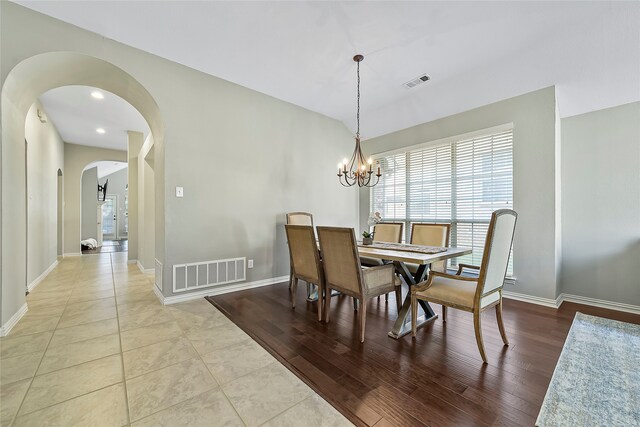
(97, 348)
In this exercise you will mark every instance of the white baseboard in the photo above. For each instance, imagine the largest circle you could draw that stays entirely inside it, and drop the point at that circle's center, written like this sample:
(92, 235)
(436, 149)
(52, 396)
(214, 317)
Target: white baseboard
(611, 305)
(41, 277)
(6, 328)
(68, 254)
(234, 287)
(547, 302)
(142, 269)
(555, 303)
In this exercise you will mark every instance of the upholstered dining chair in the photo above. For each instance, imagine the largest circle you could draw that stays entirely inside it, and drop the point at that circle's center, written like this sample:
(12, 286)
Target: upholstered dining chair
(305, 261)
(298, 218)
(474, 294)
(343, 272)
(384, 232)
(431, 235)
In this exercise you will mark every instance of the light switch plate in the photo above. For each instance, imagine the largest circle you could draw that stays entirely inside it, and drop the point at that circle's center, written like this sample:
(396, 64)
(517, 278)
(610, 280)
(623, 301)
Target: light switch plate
(250, 263)
(179, 192)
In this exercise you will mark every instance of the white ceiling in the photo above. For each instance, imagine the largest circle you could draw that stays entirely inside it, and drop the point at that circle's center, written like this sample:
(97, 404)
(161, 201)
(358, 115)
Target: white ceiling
(475, 52)
(77, 115)
(106, 168)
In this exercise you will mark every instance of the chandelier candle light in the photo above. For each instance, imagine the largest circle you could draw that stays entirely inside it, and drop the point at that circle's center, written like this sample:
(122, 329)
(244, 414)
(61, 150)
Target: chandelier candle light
(357, 170)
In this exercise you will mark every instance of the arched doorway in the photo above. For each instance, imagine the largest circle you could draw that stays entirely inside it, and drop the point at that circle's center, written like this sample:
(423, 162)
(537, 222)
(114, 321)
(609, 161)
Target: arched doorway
(23, 85)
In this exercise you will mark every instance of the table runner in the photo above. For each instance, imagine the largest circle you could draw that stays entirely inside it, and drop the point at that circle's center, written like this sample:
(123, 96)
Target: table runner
(406, 247)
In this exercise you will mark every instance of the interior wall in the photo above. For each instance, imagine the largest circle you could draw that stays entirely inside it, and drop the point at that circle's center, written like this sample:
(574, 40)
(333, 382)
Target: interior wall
(60, 210)
(134, 144)
(601, 204)
(45, 156)
(243, 158)
(76, 158)
(146, 205)
(31, 63)
(118, 186)
(534, 152)
(89, 204)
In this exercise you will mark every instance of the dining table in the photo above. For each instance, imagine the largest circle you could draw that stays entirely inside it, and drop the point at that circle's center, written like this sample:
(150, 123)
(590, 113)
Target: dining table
(402, 255)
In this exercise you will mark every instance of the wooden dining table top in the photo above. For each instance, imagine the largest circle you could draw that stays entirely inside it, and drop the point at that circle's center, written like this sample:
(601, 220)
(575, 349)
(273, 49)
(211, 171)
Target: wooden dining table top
(411, 257)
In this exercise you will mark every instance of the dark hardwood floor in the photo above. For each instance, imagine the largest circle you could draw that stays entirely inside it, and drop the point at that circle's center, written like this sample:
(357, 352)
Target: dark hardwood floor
(438, 379)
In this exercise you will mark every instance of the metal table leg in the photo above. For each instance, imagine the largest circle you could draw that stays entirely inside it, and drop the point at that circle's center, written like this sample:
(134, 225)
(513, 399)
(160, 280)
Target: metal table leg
(402, 326)
(312, 292)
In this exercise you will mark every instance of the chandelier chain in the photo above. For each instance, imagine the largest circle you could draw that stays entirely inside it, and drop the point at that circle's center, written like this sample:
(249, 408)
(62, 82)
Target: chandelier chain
(358, 110)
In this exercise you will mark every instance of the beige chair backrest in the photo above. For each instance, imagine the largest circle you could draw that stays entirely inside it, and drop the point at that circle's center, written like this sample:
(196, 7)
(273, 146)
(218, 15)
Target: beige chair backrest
(340, 259)
(300, 218)
(497, 250)
(305, 259)
(432, 235)
(388, 232)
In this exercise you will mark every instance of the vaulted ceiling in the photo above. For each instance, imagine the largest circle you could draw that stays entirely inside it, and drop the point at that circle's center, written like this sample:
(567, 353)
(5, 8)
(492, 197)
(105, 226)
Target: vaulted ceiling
(475, 52)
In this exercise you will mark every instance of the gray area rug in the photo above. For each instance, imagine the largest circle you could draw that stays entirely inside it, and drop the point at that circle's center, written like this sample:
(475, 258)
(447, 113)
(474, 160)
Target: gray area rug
(597, 379)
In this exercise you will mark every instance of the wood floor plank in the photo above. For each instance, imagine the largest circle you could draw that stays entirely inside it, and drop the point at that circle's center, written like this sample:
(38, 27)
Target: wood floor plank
(436, 379)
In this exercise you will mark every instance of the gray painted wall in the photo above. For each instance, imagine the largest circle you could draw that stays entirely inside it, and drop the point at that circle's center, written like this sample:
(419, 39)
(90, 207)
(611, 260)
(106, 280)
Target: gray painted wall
(243, 158)
(134, 143)
(535, 149)
(601, 204)
(89, 204)
(117, 186)
(146, 204)
(45, 155)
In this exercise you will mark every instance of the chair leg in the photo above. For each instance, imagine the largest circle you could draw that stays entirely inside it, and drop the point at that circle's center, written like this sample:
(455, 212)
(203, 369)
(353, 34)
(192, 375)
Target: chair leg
(399, 298)
(363, 318)
(414, 315)
(500, 324)
(320, 301)
(327, 304)
(386, 297)
(355, 304)
(478, 329)
(444, 313)
(293, 291)
(290, 277)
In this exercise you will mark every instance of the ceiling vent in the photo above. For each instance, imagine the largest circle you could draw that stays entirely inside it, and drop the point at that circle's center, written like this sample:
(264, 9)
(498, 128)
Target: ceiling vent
(418, 80)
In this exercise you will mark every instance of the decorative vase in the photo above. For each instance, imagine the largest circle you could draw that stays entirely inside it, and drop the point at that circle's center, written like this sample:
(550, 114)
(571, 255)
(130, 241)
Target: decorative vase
(367, 240)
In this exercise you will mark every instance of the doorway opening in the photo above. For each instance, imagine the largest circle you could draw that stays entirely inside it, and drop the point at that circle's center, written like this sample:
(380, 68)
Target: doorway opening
(104, 208)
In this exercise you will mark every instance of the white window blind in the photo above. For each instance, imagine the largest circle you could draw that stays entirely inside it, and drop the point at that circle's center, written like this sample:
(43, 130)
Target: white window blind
(459, 182)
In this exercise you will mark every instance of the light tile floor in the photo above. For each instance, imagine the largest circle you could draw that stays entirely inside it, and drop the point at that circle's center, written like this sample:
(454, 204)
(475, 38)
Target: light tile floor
(96, 348)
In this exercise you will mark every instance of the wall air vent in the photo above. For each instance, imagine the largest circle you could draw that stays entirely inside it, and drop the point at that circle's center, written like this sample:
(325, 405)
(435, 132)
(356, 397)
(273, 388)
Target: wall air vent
(207, 274)
(418, 80)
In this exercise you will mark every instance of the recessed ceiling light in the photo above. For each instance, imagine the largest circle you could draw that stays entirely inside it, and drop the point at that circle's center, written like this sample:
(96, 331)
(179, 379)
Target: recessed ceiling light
(97, 95)
(100, 130)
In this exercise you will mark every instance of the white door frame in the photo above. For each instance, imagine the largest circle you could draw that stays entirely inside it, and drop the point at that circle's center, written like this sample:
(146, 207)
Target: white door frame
(115, 217)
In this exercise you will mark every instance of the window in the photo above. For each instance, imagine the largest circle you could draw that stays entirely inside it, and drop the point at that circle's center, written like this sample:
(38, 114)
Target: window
(460, 181)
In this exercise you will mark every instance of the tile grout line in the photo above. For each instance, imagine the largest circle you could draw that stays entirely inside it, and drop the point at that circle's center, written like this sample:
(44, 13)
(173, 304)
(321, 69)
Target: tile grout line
(219, 384)
(79, 364)
(15, 416)
(124, 379)
(295, 404)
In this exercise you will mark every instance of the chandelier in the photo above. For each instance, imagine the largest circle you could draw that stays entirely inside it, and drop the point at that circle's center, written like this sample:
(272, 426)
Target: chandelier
(357, 170)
